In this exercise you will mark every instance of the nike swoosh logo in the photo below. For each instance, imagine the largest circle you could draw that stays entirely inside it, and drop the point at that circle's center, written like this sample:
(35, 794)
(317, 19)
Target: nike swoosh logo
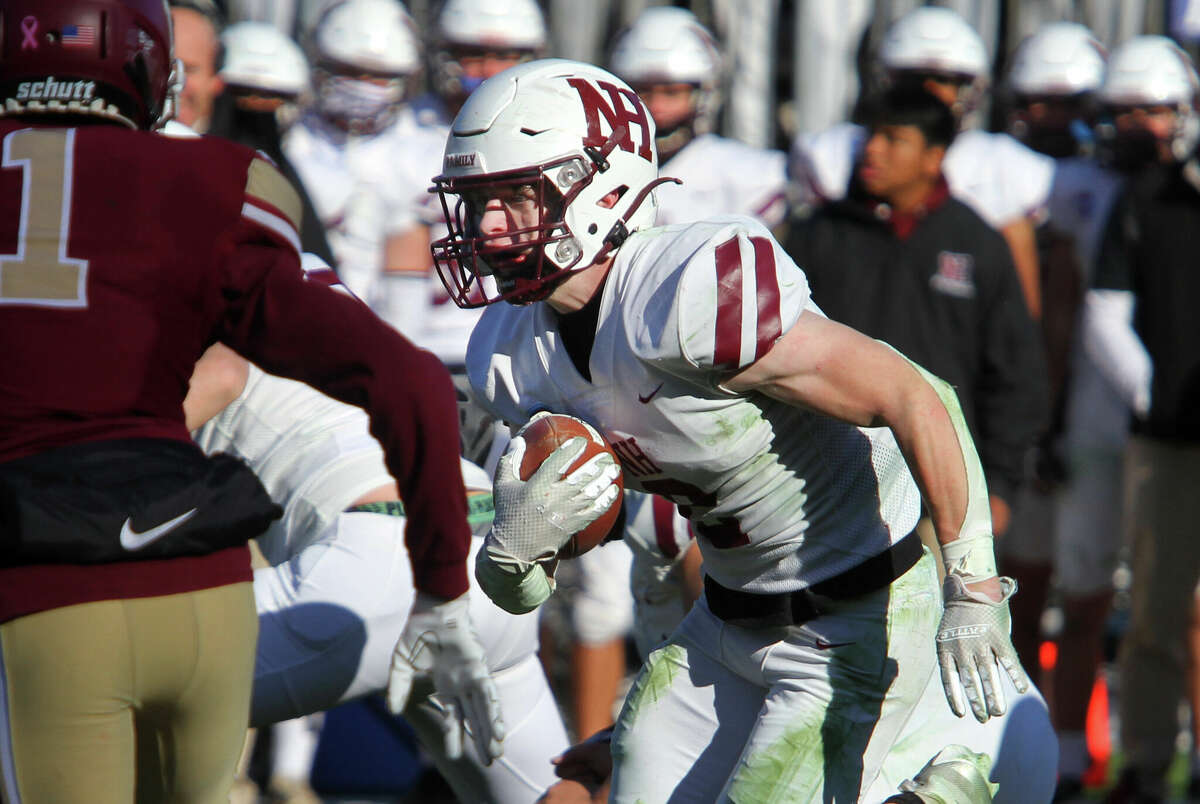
(132, 540)
(649, 396)
(823, 645)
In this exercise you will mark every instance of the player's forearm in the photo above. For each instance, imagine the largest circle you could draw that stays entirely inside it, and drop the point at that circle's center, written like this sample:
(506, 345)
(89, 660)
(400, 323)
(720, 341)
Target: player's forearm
(932, 432)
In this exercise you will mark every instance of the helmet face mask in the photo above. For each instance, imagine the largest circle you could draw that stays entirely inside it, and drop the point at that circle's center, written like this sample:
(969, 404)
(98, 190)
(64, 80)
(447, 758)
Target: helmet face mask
(1056, 125)
(570, 140)
(512, 257)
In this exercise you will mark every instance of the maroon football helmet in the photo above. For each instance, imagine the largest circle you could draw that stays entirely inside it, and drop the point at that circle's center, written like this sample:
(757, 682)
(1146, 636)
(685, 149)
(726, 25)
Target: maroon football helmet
(104, 58)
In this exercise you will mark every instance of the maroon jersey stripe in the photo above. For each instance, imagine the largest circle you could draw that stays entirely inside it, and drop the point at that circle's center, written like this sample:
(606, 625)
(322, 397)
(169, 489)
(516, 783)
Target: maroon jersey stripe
(727, 350)
(770, 323)
(664, 525)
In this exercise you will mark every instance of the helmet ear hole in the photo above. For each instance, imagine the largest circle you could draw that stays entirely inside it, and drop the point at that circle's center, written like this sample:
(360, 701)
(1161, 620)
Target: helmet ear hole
(612, 198)
(593, 228)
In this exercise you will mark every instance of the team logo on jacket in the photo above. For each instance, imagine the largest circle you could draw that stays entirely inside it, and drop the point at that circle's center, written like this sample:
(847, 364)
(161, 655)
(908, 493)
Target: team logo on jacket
(955, 275)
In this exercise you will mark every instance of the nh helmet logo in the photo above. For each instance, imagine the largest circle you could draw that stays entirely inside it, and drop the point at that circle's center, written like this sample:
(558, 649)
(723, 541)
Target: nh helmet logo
(625, 108)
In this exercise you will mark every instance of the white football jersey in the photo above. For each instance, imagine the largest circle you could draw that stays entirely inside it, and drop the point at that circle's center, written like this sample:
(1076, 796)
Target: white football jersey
(313, 454)
(1080, 202)
(994, 174)
(364, 188)
(780, 497)
(723, 177)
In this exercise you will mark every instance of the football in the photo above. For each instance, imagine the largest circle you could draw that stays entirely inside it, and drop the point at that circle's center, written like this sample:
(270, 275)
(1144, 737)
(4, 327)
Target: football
(544, 436)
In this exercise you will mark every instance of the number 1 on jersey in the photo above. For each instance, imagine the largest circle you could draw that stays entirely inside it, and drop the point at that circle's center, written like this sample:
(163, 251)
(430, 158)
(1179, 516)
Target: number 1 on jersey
(41, 273)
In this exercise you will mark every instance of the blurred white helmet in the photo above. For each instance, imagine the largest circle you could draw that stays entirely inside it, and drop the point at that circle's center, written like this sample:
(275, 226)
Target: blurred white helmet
(575, 134)
(667, 45)
(1154, 71)
(935, 40)
(505, 26)
(1149, 70)
(1063, 58)
(375, 36)
(366, 56)
(259, 56)
(1050, 89)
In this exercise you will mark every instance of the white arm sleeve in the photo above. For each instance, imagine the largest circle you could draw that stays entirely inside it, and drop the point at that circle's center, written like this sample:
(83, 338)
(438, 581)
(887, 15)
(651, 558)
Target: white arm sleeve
(1113, 346)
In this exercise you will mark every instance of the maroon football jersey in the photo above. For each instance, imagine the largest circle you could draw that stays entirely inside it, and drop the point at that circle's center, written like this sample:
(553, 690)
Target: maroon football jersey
(124, 254)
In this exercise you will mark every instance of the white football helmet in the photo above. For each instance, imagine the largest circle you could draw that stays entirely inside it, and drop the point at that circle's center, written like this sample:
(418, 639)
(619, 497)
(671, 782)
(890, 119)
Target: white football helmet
(259, 56)
(573, 132)
(366, 56)
(667, 45)
(1063, 58)
(1154, 71)
(936, 41)
(1050, 89)
(373, 36)
(516, 26)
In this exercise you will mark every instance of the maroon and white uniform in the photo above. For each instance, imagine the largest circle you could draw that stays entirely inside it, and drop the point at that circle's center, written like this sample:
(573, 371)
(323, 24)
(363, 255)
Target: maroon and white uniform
(780, 499)
(123, 255)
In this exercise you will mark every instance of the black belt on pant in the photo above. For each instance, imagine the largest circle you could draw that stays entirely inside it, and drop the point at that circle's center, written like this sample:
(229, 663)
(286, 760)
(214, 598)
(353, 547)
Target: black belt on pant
(752, 610)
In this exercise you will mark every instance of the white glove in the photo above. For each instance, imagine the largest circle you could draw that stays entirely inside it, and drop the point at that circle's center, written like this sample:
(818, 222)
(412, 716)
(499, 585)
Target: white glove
(536, 517)
(972, 638)
(439, 641)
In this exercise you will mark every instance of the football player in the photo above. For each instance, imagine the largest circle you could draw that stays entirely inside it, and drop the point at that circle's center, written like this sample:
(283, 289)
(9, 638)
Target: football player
(1003, 181)
(673, 63)
(475, 39)
(127, 623)
(1139, 324)
(1069, 519)
(334, 603)
(347, 144)
(697, 352)
(265, 74)
(471, 40)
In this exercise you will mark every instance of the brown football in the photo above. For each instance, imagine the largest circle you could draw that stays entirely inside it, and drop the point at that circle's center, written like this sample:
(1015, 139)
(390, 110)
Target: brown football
(542, 438)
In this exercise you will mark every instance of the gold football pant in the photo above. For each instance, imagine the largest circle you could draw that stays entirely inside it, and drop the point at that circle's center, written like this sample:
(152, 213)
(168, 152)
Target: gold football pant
(144, 699)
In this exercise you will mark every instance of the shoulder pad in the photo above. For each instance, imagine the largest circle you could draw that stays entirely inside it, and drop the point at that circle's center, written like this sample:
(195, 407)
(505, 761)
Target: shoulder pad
(737, 295)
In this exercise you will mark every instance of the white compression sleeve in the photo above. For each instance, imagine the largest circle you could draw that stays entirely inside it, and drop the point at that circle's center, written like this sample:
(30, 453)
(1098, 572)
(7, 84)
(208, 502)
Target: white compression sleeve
(971, 556)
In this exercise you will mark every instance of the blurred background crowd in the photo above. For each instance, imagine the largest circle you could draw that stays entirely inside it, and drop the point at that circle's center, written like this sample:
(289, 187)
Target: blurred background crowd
(1008, 191)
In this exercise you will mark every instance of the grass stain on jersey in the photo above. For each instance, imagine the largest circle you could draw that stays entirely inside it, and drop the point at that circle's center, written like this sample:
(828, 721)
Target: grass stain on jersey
(730, 428)
(657, 676)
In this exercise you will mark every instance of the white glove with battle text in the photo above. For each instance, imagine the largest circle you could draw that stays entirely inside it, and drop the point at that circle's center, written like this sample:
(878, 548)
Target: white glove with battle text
(439, 642)
(973, 639)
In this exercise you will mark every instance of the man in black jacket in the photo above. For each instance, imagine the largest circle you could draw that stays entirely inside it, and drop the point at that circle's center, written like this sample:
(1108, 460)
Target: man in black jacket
(1140, 318)
(902, 261)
